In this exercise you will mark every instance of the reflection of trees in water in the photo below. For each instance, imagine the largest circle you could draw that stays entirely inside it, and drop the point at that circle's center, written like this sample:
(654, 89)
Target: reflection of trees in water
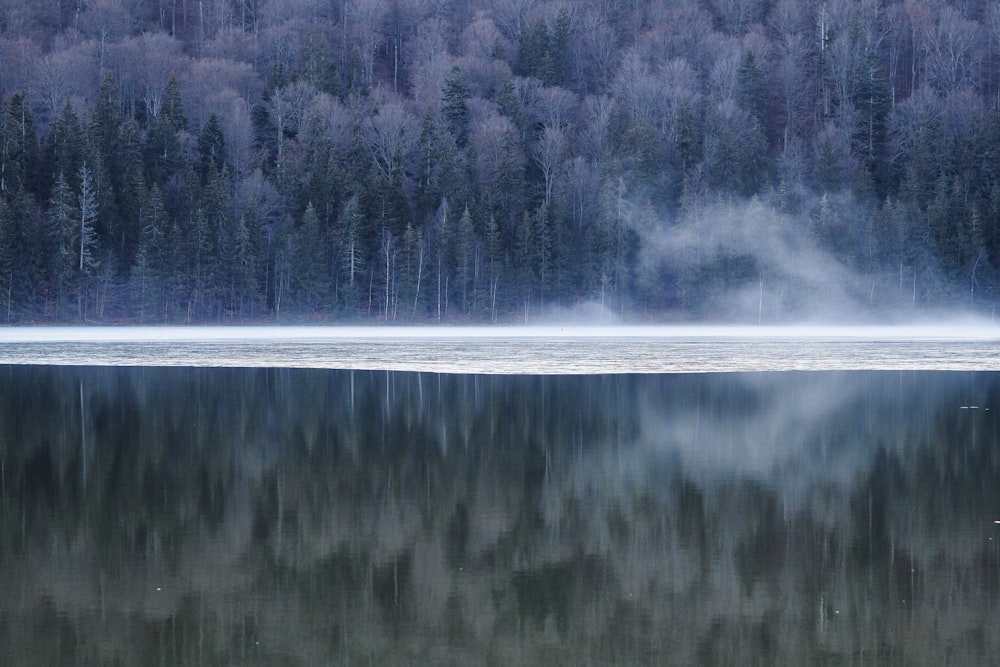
(275, 515)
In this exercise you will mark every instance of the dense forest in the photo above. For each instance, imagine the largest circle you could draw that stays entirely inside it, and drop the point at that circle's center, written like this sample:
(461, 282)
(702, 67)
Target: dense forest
(497, 160)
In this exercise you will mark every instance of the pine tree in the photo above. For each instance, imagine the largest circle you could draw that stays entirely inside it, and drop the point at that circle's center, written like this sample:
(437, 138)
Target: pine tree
(352, 260)
(211, 147)
(312, 283)
(559, 50)
(465, 262)
(494, 265)
(163, 152)
(6, 260)
(62, 229)
(172, 107)
(454, 97)
(151, 266)
(63, 152)
(130, 190)
(17, 145)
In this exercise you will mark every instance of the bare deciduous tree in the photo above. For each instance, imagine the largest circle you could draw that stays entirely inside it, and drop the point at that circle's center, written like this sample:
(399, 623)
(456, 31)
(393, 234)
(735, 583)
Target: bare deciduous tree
(390, 135)
(548, 154)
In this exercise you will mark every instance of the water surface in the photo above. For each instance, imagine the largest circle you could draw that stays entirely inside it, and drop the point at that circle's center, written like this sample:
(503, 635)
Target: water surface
(515, 350)
(278, 516)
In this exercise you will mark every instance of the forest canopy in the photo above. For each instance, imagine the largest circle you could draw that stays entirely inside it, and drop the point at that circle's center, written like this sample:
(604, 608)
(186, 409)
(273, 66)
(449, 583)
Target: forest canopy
(497, 160)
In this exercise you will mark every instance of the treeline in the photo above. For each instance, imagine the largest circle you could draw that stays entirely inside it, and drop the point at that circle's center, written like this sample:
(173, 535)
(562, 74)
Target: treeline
(411, 160)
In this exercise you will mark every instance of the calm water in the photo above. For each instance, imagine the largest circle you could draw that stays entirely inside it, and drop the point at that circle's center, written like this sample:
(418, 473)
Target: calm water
(173, 516)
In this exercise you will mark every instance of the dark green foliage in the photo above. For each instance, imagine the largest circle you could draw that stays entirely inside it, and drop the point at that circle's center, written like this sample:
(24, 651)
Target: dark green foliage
(311, 282)
(533, 57)
(63, 151)
(751, 89)
(286, 193)
(18, 152)
(872, 101)
(454, 98)
(211, 147)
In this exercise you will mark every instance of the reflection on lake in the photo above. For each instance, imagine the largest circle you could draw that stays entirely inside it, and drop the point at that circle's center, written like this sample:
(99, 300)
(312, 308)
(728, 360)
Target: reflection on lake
(255, 516)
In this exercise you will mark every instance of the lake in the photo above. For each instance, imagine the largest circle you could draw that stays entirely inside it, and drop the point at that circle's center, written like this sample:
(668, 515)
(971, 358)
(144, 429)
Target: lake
(237, 506)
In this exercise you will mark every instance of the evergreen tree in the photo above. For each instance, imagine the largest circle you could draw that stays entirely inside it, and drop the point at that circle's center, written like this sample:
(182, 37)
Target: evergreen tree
(63, 151)
(163, 153)
(494, 266)
(211, 147)
(317, 67)
(312, 282)
(465, 262)
(129, 185)
(751, 89)
(454, 97)
(352, 261)
(559, 50)
(172, 106)
(150, 272)
(533, 56)
(62, 228)
(17, 145)
(871, 99)
(7, 223)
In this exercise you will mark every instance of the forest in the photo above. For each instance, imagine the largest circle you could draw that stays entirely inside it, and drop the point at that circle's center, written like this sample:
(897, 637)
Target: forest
(498, 160)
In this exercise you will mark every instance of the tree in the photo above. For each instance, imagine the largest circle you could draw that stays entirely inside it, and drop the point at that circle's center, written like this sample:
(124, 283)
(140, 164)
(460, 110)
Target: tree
(86, 239)
(413, 267)
(64, 147)
(465, 262)
(151, 268)
(311, 277)
(211, 147)
(390, 136)
(62, 227)
(164, 156)
(871, 99)
(549, 154)
(454, 98)
(17, 144)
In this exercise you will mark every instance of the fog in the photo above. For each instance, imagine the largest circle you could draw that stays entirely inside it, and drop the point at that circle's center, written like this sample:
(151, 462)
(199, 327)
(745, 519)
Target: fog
(958, 329)
(543, 350)
(751, 262)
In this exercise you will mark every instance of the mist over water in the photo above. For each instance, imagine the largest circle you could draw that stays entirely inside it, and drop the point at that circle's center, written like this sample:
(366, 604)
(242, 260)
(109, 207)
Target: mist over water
(549, 349)
(752, 262)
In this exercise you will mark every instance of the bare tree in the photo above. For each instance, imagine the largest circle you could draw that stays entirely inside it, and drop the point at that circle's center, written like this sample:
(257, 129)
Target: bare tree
(597, 47)
(548, 154)
(593, 138)
(106, 21)
(638, 89)
(488, 137)
(213, 83)
(390, 135)
(582, 183)
(736, 15)
(953, 49)
(790, 22)
(366, 18)
(287, 109)
(71, 73)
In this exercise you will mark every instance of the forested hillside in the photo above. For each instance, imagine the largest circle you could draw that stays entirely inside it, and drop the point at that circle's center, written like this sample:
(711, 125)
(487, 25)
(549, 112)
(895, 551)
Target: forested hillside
(497, 160)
